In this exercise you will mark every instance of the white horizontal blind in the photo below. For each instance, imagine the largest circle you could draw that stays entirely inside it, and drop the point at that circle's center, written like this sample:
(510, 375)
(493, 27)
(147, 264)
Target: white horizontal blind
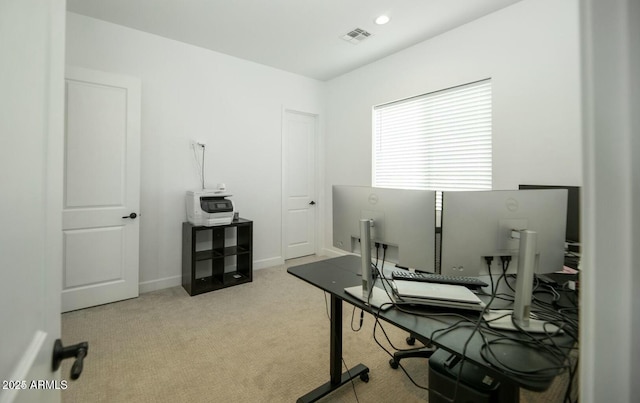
(437, 141)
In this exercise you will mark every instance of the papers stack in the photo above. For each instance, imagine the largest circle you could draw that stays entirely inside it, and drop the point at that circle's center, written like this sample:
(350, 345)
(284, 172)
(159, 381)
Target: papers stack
(433, 294)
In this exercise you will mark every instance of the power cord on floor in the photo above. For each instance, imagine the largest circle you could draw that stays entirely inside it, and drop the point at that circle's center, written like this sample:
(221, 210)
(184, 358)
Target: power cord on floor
(353, 385)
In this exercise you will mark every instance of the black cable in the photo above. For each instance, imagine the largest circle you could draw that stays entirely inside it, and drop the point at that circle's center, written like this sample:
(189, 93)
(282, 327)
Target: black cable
(473, 332)
(326, 305)
(481, 329)
(384, 259)
(353, 385)
(377, 323)
(489, 259)
(377, 255)
(342, 358)
(572, 374)
(361, 319)
(545, 343)
(541, 373)
(557, 355)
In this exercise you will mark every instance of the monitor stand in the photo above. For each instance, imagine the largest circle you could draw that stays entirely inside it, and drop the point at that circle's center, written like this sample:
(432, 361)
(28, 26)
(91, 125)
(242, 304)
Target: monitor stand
(502, 319)
(367, 292)
(378, 298)
(365, 257)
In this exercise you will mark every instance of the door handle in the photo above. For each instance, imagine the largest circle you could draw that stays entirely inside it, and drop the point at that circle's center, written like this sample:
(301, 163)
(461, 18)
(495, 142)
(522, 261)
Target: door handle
(77, 351)
(312, 203)
(132, 216)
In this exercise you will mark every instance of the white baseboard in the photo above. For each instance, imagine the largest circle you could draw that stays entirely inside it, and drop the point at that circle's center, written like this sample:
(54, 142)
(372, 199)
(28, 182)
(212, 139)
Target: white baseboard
(264, 263)
(333, 252)
(159, 284)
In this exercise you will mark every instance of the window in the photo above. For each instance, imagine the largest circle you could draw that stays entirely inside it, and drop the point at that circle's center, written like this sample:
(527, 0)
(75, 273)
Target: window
(437, 141)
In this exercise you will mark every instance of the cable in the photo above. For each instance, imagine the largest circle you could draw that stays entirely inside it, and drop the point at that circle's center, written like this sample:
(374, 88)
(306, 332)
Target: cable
(384, 256)
(489, 259)
(353, 385)
(473, 332)
(549, 306)
(202, 145)
(377, 255)
(377, 323)
(342, 358)
(326, 305)
(385, 282)
(544, 344)
(199, 165)
(361, 319)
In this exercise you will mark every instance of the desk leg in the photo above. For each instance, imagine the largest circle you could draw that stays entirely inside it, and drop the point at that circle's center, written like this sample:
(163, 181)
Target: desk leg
(335, 360)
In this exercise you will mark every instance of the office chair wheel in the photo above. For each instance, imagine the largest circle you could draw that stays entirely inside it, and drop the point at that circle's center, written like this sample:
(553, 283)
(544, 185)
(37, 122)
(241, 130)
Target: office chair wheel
(364, 377)
(411, 340)
(393, 363)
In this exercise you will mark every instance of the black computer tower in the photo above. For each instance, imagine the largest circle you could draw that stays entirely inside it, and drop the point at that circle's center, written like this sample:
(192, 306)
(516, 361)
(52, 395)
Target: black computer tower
(475, 385)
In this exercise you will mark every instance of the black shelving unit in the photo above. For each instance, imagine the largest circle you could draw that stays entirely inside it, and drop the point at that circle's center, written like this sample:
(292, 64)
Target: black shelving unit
(216, 257)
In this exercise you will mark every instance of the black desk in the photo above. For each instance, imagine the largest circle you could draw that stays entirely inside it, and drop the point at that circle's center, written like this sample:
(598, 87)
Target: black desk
(333, 275)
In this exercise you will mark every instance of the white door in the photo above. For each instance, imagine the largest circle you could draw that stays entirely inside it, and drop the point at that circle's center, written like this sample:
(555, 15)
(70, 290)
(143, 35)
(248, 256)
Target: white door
(31, 137)
(300, 205)
(101, 189)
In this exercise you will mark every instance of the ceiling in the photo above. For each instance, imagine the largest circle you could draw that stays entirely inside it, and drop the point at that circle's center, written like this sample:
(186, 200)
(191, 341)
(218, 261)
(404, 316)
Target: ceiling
(299, 36)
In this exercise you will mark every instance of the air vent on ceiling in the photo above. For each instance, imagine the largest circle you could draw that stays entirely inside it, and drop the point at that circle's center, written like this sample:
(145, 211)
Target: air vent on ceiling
(356, 36)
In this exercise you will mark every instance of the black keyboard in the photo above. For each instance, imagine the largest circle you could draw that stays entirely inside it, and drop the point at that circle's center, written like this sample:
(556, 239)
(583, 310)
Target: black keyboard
(437, 278)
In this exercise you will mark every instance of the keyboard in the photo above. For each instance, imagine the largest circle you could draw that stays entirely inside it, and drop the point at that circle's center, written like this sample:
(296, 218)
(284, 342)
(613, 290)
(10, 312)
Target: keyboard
(437, 278)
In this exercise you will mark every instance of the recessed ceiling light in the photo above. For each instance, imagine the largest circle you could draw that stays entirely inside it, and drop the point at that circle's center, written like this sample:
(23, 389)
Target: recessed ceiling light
(383, 19)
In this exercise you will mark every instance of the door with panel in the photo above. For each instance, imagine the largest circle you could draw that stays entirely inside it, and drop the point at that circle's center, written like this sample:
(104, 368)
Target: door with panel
(299, 222)
(101, 201)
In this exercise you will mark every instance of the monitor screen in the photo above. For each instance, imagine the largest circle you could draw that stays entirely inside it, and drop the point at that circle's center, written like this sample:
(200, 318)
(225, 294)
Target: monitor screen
(573, 209)
(404, 220)
(479, 224)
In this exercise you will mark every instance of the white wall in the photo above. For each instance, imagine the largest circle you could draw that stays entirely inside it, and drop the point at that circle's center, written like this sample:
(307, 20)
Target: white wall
(191, 93)
(531, 52)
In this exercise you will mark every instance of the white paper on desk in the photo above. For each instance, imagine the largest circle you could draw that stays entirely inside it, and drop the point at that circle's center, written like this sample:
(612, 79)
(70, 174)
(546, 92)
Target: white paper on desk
(435, 291)
(377, 299)
(467, 306)
(501, 319)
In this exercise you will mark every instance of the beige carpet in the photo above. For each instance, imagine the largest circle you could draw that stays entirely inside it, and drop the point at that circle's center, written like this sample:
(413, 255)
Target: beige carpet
(266, 341)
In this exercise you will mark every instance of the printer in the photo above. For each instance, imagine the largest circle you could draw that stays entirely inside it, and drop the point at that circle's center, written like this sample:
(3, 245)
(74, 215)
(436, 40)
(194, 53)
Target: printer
(209, 207)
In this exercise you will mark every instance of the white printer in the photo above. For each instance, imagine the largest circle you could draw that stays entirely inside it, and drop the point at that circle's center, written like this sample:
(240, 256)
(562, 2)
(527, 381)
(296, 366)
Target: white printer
(209, 207)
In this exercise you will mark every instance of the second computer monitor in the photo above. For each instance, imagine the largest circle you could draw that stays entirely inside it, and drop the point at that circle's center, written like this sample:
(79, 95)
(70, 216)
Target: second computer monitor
(479, 224)
(404, 220)
(573, 209)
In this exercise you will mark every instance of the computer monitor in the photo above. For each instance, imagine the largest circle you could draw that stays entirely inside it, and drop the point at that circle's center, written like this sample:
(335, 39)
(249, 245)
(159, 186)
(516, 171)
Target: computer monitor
(404, 220)
(478, 224)
(573, 209)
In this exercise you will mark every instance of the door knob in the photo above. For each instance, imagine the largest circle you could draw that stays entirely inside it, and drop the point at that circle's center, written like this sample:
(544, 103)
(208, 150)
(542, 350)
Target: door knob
(312, 203)
(132, 216)
(79, 351)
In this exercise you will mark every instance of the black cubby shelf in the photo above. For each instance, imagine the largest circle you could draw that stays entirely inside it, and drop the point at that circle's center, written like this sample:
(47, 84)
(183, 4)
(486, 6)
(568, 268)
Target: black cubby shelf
(216, 257)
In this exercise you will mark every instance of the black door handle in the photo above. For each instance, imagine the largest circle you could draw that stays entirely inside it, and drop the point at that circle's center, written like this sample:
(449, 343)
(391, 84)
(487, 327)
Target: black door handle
(79, 351)
(132, 216)
(312, 203)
